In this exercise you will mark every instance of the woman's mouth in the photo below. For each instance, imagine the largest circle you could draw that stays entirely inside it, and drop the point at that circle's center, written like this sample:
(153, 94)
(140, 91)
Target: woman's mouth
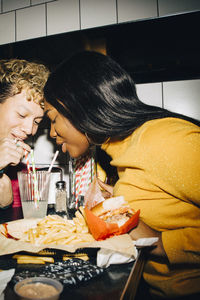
(63, 148)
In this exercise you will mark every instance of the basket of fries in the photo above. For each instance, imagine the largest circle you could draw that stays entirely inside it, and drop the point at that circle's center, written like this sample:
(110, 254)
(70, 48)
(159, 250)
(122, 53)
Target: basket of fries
(50, 230)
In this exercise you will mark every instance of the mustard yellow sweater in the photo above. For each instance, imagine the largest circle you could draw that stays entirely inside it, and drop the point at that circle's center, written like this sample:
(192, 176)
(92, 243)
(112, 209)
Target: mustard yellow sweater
(159, 173)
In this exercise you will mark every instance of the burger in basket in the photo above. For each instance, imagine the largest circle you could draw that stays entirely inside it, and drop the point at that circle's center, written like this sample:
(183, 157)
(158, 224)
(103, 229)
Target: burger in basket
(112, 216)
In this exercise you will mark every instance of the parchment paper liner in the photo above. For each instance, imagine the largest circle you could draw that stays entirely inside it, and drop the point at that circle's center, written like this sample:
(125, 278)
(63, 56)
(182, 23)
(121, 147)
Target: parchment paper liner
(122, 243)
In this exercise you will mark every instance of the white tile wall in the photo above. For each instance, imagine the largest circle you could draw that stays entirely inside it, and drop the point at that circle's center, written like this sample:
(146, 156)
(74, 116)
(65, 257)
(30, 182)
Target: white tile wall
(150, 93)
(34, 2)
(177, 6)
(129, 10)
(178, 96)
(7, 28)
(9, 5)
(69, 15)
(96, 13)
(30, 22)
(183, 97)
(68, 12)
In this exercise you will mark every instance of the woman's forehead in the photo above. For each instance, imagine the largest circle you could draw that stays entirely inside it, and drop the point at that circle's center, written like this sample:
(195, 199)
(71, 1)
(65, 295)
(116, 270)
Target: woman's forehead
(49, 109)
(47, 106)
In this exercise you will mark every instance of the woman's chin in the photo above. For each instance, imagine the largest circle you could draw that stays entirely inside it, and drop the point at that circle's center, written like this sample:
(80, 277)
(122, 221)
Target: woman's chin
(72, 154)
(76, 155)
(73, 151)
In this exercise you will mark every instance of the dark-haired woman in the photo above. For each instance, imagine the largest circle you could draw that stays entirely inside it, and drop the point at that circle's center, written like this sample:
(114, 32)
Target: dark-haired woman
(91, 100)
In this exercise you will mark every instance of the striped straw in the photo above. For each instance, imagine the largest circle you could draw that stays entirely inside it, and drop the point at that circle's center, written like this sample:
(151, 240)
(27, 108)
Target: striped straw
(36, 198)
(83, 176)
(30, 190)
(27, 161)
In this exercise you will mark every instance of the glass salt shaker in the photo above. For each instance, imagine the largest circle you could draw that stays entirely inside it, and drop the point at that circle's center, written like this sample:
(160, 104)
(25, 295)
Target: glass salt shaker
(61, 197)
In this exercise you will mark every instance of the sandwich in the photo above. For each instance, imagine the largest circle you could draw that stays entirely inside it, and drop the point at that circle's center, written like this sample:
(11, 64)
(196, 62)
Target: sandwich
(114, 210)
(113, 216)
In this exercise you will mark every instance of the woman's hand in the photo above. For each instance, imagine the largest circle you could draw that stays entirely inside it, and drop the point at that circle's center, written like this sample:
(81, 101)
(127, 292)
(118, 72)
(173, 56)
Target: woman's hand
(11, 152)
(107, 191)
(144, 231)
(6, 196)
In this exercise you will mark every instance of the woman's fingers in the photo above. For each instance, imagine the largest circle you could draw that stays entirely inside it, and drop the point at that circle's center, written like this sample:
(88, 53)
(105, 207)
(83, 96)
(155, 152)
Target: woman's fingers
(106, 194)
(108, 188)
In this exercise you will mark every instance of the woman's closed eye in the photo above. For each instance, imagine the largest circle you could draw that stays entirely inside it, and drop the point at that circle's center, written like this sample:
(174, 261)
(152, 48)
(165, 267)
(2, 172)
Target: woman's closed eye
(53, 121)
(37, 122)
(22, 116)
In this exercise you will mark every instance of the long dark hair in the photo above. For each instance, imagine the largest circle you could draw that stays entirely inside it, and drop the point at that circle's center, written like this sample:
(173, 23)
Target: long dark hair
(99, 98)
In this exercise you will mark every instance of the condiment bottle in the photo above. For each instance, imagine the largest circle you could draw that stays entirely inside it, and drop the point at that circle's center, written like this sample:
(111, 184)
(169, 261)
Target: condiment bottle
(61, 197)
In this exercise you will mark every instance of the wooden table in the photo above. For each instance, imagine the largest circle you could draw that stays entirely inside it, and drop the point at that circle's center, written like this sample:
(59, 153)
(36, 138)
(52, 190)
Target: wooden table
(117, 281)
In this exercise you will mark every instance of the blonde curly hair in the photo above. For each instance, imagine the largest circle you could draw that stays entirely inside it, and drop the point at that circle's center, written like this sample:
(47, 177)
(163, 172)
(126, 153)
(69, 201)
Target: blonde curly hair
(19, 74)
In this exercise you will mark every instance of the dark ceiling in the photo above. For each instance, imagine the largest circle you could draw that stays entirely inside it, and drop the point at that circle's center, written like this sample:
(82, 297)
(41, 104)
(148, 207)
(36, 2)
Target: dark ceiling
(161, 49)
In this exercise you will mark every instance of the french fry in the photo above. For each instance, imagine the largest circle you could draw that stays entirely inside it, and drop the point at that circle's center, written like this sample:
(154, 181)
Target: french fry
(80, 218)
(47, 259)
(56, 230)
(82, 256)
(82, 211)
(32, 259)
(16, 256)
(31, 236)
(68, 240)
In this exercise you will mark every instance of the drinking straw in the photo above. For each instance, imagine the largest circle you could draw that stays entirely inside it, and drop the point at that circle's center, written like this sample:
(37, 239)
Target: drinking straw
(29, 173)
(78, 170)
(78, 185)
(49, 171)
(53, 161)
(72, 175)
(35, 180)
(27, 161)
(84, 176)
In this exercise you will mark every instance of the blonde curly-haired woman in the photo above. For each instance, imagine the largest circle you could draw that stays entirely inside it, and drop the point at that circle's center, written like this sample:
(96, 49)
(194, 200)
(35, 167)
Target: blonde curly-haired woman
(21, 111)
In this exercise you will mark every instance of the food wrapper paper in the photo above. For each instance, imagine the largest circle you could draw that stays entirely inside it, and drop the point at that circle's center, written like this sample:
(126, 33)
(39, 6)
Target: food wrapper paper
(100, 229)
(93, 195)
(122, 243)
(108, 236)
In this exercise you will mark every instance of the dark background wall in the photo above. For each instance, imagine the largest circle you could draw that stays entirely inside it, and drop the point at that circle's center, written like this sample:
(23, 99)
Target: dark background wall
(153, 50)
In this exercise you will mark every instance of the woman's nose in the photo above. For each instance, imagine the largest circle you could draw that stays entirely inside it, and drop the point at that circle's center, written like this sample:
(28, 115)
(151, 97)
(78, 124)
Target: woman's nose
(53, 133)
